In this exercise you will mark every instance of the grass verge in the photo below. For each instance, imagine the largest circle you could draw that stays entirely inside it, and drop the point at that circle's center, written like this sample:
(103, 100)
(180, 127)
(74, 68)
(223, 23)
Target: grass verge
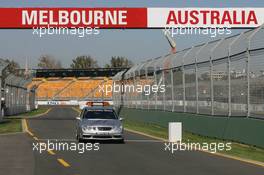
(10, 126)
(238, 150)
(34, 112)
(13, 124)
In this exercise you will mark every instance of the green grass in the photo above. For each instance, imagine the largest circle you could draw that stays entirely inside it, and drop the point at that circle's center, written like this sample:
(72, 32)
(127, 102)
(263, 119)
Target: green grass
(10, 126)
(13, 124)
(238, 150)
(34, 112)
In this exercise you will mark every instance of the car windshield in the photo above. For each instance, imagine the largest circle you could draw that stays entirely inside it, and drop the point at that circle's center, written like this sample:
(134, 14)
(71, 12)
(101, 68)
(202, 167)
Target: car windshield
(100, 114)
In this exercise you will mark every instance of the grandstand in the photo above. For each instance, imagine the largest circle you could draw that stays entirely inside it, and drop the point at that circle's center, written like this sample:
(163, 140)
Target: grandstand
(64, 85)
(100, 94)
(78, 88)
(50, 87)
(66, 89)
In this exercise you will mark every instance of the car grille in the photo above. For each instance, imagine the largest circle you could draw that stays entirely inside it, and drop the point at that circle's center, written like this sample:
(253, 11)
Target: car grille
(102, 137)
(104, 128)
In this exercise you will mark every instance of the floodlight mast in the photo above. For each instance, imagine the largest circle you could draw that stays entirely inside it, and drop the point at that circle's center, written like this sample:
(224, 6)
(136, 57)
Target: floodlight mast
(172, 43)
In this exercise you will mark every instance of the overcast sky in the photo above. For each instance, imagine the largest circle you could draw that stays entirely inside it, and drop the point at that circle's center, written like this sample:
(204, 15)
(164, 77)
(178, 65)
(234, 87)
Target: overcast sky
(137, 45)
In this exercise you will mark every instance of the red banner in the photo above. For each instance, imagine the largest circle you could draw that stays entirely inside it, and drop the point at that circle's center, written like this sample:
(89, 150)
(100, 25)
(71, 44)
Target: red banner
(73, 17)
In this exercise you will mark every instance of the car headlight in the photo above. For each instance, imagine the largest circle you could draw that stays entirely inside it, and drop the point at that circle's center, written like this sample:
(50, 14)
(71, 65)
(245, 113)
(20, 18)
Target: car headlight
(88, 128)
(84, 128)
(118, 128)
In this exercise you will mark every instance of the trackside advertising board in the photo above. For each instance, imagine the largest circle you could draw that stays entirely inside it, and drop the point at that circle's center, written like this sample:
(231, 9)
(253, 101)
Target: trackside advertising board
(131, 17)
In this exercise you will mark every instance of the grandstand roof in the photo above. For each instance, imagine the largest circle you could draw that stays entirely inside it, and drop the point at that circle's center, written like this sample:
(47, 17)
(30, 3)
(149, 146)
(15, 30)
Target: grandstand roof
(91, 72)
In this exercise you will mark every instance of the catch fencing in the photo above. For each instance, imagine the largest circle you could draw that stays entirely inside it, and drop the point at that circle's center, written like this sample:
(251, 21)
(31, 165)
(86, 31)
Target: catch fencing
(18, 98)
(224, 77)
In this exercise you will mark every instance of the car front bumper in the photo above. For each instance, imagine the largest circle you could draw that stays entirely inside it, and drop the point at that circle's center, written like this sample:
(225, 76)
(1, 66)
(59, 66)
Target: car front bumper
(102, 136)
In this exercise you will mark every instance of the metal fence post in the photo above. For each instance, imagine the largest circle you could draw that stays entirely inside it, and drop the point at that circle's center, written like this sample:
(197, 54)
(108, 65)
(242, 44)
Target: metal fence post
(135, 98)
(127, 95)
(146, 75)
(229, 85)
(196, 88)
(211, 86)
(172, 89)
(248, 70)
(142, 94)
(156, 92)
(12, 99)
(183, 84)
(164, 94)
(248, 82)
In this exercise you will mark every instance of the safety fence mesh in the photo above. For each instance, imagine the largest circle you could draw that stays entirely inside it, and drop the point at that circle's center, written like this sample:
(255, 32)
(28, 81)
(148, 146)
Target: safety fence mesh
(223, 77)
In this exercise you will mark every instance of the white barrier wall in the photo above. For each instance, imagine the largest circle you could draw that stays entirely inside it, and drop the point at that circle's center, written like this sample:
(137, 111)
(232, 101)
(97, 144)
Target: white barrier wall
(66, 102)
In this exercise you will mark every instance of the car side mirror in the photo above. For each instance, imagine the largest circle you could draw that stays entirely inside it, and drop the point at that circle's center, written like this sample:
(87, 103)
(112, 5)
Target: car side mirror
(121, 119)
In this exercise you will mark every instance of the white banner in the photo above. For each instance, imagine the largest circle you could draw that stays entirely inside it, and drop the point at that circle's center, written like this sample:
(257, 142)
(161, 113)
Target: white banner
(205, 17)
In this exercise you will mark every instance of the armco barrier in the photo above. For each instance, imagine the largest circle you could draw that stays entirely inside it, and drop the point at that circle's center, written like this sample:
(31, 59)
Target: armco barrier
(243, 130)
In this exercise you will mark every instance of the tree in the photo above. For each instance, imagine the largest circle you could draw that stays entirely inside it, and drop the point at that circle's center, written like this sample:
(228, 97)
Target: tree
(48, 62)
(83, 62)
(119, 62)
(13, 66)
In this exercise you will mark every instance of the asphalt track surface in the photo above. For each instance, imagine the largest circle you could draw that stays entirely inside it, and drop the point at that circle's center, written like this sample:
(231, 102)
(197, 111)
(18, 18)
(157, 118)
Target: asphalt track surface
(139, 155)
